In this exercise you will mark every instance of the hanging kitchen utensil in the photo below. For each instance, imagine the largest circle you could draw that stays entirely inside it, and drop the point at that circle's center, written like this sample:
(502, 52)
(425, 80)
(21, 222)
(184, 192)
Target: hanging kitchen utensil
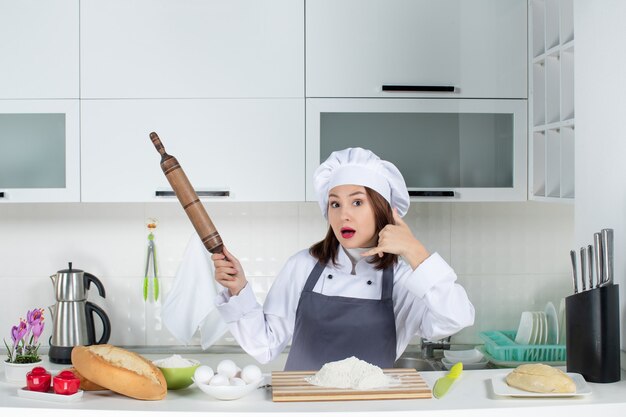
(151, 259)
(188, 198)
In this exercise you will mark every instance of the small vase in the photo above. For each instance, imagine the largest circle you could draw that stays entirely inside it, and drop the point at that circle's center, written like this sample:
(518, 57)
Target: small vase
(16, 372)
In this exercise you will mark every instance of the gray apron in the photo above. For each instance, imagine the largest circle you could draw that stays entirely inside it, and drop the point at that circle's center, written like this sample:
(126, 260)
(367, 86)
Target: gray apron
(331, 328)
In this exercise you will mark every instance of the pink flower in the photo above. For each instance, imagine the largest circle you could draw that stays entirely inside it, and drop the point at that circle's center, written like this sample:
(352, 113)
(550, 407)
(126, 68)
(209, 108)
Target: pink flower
(25, 345)
(18, 332)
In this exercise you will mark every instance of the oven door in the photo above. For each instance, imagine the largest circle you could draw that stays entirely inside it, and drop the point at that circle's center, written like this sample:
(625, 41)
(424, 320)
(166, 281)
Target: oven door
(446, 149)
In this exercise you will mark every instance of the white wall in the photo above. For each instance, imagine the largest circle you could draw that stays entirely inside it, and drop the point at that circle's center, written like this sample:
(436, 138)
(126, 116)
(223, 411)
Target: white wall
(600, 88)
(509, 256)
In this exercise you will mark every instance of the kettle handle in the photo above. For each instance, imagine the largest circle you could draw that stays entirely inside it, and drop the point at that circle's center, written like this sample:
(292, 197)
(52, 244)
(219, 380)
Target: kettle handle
(89, 278)
(91, 308)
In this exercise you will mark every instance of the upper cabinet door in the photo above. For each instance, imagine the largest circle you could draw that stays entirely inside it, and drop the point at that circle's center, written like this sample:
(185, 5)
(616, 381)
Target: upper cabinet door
(355, 47)
(39, 151)
(38, 49)
(192, 48)
(230, 149)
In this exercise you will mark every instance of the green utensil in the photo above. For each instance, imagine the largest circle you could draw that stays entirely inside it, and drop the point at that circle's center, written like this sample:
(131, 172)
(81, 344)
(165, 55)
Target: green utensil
(151, 259)
(443, 384)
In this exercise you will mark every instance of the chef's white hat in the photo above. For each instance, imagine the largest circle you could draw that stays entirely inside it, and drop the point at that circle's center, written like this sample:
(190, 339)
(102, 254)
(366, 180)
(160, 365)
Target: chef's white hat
(361, 167)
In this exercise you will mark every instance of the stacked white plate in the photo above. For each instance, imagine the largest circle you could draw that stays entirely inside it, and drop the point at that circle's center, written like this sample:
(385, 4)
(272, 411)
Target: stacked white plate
(472, 359)
(538, 327)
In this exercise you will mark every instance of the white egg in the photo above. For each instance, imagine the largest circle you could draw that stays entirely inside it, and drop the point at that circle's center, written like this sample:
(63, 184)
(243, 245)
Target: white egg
(203, 374)
(237, 382)
(227, 368)
(251, 373)
(220, 380)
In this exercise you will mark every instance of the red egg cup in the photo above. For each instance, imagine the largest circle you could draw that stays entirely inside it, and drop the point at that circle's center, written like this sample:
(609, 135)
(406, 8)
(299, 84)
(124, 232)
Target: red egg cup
(66, 383)
(38, 379)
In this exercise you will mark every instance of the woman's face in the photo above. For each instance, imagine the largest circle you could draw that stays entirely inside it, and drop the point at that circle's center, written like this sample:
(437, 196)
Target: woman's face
(351, 216)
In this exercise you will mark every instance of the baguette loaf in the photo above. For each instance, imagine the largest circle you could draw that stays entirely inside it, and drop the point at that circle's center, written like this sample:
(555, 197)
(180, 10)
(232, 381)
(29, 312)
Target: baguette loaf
(85, 384)
(540, 378)
(120, 370)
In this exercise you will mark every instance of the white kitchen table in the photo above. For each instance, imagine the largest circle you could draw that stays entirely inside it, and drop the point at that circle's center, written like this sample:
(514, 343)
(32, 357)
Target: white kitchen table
(471, 395)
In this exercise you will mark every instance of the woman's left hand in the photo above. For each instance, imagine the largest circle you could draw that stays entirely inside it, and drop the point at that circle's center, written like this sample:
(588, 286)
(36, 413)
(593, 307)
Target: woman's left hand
(399, 240)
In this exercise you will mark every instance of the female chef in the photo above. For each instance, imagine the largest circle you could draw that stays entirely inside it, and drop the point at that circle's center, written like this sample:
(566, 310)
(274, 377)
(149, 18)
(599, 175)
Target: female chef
(365, 290)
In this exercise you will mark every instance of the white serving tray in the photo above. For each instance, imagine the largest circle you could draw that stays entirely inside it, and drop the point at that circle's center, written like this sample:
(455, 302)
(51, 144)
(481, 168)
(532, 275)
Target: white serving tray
(49, 395)
(500, 387)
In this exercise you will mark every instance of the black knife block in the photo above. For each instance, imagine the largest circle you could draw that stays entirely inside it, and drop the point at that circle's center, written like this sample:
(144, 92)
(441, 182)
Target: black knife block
(593, 332)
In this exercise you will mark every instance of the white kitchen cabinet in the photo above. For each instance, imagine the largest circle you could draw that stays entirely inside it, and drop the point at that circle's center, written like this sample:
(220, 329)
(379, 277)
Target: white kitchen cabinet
(551, 100)
(192, 48)
(355, 47)
(38, 49)
(447, 150)
(249, 149)
(39, 151)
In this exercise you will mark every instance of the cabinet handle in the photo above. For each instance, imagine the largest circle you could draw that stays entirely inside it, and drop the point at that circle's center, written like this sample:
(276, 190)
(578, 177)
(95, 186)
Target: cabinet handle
(1, 194)
(431, 193)
(420, 88)
(198, 192)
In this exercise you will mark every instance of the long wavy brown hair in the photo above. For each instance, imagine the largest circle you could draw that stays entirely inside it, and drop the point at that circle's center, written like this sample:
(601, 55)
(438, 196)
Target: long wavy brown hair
(326, 250)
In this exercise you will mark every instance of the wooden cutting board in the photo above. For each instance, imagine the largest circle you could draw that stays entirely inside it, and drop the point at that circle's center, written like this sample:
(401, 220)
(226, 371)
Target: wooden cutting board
(292, 386)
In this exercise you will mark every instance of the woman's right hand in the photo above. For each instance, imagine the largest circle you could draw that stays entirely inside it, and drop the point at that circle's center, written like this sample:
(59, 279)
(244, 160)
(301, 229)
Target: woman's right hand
(228, 271)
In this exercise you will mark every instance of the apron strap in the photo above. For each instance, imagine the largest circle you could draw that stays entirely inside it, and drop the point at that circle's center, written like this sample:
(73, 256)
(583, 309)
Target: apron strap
(314, 276)
(387, 283)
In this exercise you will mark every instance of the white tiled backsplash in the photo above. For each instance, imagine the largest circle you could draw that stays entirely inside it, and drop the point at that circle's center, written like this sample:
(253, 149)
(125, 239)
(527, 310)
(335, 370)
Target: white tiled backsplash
(509, 257)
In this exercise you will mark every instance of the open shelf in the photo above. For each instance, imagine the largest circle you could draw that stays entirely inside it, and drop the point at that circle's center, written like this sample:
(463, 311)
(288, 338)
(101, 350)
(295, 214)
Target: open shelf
(551, 100)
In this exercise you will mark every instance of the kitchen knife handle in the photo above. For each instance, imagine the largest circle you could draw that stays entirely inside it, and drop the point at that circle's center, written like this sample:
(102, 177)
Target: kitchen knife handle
(597, 246)
(414, 193)
(583, 268)
(590, 266)
(572, 255)
(219, 193)
(607, 258)
(420, 88)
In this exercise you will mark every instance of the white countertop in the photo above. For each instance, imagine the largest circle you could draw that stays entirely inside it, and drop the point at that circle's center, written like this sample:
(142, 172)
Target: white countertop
(471, 395)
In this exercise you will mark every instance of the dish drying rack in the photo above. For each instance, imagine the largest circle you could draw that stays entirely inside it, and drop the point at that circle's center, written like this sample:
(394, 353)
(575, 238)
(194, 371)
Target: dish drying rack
(500, 348)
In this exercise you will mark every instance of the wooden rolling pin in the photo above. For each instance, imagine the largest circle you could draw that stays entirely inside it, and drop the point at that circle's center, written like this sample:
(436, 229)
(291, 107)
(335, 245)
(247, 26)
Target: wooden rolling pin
(188, 198)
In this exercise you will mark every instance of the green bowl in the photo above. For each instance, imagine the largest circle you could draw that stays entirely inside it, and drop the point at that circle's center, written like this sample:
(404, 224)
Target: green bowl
(178, 378)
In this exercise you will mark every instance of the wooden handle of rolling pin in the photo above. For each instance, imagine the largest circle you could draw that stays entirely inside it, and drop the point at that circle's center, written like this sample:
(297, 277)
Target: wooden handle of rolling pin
(188, 198)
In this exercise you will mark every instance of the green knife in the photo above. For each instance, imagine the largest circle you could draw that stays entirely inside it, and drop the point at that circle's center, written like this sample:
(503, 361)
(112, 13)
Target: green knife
(443, 384)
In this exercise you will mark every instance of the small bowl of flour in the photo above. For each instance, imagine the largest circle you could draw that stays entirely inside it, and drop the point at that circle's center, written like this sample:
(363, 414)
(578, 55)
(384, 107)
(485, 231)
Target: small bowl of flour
(350, 373)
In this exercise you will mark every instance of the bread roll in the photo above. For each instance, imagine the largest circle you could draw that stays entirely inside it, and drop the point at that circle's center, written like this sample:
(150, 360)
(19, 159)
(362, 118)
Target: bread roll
(540, 378)
(85, 384)
(120, 370)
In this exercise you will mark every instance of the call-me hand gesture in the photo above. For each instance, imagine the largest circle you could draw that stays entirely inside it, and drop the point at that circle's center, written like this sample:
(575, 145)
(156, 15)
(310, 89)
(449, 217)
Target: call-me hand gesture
(398, 239)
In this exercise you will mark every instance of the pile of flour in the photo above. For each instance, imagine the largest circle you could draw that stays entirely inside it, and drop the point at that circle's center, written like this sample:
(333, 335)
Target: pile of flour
(350, 373)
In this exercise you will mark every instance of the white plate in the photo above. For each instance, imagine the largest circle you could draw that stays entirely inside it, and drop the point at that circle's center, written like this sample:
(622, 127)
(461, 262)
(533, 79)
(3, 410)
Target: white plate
(465, 356)
(525, 329)
(49, 396)
(500, 387)
(229, 392)
(447, 363)
(553, 324)
(543, 328)
(536, 330)
(562, 323)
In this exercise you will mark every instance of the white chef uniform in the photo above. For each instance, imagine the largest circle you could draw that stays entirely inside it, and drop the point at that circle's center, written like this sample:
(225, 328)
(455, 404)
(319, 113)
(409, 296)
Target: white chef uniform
(427, 302)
